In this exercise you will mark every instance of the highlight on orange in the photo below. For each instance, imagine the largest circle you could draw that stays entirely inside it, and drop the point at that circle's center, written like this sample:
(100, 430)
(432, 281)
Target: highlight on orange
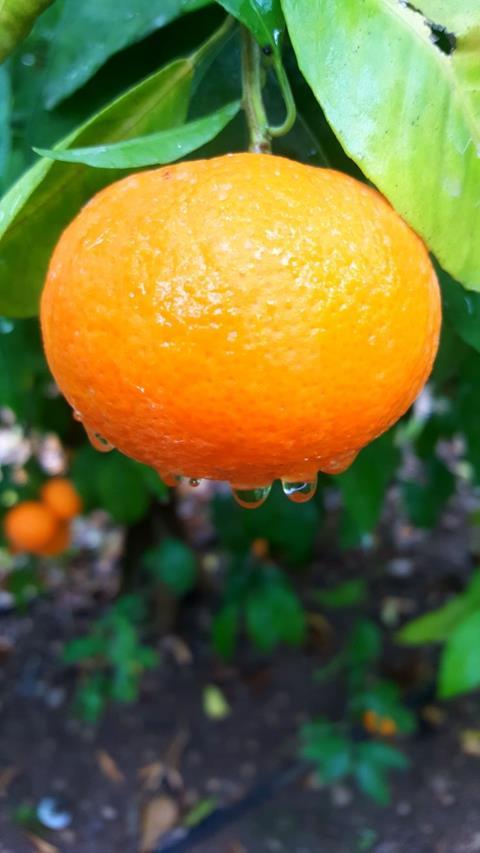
(245, 318)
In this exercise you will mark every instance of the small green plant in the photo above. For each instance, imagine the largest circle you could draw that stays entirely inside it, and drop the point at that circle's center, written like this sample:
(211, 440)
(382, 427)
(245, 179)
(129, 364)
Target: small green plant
(112, 657)
(341, 749)
(259, 598)
(456, 625)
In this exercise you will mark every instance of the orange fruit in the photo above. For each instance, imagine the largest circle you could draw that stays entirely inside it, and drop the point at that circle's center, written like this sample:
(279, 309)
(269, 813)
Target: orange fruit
(30, 526)
(244, 318)
(371, 721)
(62, 498)
(58, 544)
(387, 727)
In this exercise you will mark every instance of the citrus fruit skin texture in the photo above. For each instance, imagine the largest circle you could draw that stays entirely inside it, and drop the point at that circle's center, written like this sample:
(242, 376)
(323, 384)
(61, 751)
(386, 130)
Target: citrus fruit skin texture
(62, 498)
(30, 526)
(243, 318)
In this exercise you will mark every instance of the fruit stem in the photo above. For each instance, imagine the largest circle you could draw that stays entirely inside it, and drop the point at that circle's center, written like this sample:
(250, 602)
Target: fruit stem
(288, 100)
(252, 95)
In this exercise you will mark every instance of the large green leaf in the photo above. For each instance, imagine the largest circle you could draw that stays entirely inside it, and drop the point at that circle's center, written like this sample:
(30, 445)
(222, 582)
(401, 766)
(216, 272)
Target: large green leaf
(263, 17)
(47, 196)
(166, 146)
(16, 20)
(173, 563)
(460, 664)
(458, 16)
(405, 111)
(90, 31)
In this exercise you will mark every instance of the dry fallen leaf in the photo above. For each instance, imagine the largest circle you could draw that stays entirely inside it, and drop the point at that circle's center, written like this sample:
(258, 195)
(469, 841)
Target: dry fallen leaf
(470, 741)
(109, 767)
(178, 649)
(7, 775)
(158, 817)
(176, 748)
(40, 845)
(152, 775)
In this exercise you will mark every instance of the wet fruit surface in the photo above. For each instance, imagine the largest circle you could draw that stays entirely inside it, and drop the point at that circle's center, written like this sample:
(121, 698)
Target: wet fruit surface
(244, 318)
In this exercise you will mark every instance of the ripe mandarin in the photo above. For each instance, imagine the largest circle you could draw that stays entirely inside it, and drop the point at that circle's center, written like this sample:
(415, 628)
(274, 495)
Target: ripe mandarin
(62, 498)
(244, 318)
(30, 526)
(59, 542)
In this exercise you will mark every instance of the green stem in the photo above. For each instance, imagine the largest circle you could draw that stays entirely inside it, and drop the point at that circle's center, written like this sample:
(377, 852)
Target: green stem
(252, 95)
(288, 99)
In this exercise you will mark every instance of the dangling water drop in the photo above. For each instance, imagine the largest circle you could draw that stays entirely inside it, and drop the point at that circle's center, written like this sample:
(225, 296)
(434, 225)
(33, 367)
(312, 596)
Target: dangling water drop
(194, 483)
(251, 498)
(76, 415)
(97, 441)
(301, 491)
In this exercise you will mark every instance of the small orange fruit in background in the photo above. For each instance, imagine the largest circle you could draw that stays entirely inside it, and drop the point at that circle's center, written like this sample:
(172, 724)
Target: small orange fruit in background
(244, 318)
(30, 526)
(58, 544)
(62, 498)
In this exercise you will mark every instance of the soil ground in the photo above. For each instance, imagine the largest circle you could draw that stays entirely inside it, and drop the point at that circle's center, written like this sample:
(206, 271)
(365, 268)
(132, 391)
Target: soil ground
(94, 772)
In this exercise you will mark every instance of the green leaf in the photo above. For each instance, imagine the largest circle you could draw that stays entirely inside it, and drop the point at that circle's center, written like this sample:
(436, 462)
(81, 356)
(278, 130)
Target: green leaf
(17, 17)
(91, 698)
(346, 594)
(215, 705)
(264, 19)
(329, 751)
(404, 111)
(200, 811)
(75, 56)
(174, 564)
(274, 614)
(364, 485)
(437, 626)
(5, 108)
(462, 309)
(425, 501)
(363, 644)
(225, 630)
(156, 148)
(458, 17)
(371, 780)
(20, 362)
(84, 648)
(460, 664)
(49, 195)
(121, 488)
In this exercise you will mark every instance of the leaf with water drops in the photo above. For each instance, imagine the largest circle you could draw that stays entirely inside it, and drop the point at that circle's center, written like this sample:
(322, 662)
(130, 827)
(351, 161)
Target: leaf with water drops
(263, 18)
(75, 56)
(160, 148)
(410, 118)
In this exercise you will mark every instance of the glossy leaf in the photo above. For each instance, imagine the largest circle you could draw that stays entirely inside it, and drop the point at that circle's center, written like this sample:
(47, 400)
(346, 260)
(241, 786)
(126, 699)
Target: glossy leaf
(75, 55)
(17, 17)
(166, 146)
(425, 500)
(263, 18)
(457, 16)
(42, 202)
(460, 664)
(405, 111)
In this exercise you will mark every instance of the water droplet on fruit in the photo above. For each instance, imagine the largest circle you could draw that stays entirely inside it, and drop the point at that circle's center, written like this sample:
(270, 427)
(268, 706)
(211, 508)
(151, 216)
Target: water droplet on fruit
(98, 441)
(301, 491)
(193, 482)
(251, 498)
(77, 416)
